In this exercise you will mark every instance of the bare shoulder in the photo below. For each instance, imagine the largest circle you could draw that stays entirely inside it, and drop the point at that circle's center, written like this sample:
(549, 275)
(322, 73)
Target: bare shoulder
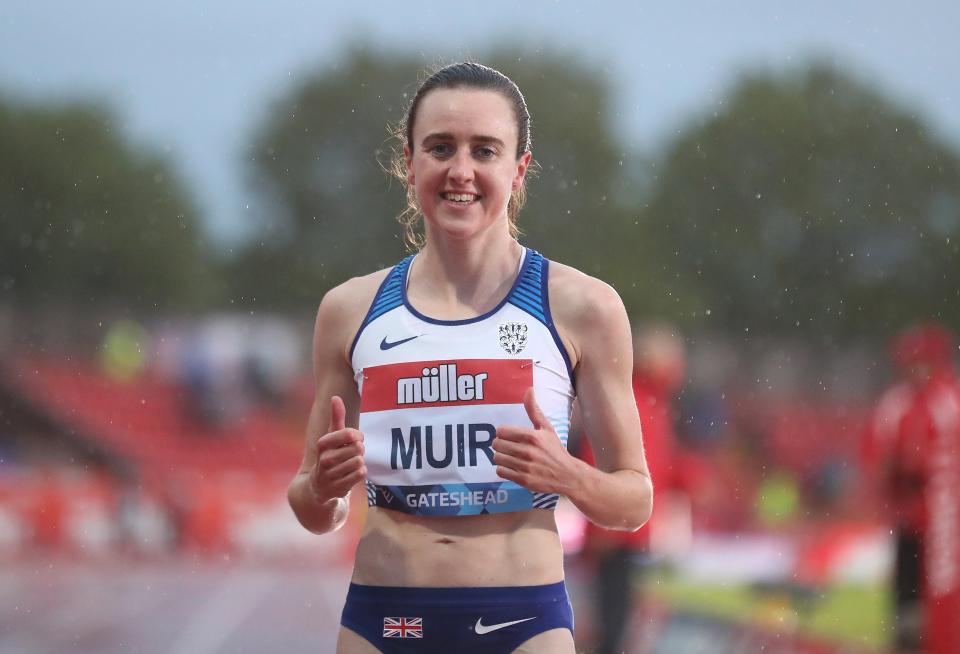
(355, 294)
(344, 307)
(579, 302)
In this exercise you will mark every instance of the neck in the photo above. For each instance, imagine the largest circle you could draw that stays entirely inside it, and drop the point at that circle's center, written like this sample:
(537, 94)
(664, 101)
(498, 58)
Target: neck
(472, 273)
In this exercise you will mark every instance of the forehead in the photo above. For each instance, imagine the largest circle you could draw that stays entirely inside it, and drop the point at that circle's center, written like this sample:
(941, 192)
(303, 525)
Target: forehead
(465, 112)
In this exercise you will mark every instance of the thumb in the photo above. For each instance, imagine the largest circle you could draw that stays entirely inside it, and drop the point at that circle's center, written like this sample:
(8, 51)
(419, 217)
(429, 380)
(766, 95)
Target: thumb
(338, 414)
(534, 412)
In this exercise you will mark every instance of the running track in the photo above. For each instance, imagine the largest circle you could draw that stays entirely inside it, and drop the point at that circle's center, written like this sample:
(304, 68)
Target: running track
(179, 606)
(168, 608)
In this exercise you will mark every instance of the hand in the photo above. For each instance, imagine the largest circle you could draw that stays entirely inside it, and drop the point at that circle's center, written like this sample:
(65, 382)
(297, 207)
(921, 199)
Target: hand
(534, 457)
(339, 457)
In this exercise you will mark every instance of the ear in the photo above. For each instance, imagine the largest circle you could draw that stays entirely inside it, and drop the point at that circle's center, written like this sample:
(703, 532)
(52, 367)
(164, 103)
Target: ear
(522, 163)
(408, 160)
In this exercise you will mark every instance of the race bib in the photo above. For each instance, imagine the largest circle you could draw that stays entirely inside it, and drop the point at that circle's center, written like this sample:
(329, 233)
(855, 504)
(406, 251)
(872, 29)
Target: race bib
(429, 428)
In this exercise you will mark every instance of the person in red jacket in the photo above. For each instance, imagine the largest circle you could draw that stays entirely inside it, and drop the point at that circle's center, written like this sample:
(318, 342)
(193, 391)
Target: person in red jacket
(914, 448)
(659, 366)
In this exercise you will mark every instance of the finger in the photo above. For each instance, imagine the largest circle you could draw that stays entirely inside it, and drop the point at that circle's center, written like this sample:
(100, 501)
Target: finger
(339, 439)
(510, 448)
(338, 482)
(338, 414)
(345, 485)
(339, 473)
(514, 434)
(511, 462)
(338, 455)
(534, 412)
(510, 475)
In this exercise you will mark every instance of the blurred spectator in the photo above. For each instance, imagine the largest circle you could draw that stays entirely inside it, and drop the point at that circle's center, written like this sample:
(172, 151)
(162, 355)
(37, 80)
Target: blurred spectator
(659, 365)
(272, 360)
(213, 371)
(705, 417)
(230, 364)
(123, 354)
(778, 499)
(912, 448)
(828, 484)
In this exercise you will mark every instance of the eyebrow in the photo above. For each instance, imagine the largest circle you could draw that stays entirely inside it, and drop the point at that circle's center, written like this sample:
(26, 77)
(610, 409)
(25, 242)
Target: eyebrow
(446, 136)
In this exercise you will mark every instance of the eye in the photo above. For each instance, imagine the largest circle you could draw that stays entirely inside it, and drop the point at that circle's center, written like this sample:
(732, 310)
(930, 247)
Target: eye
(485, 152)
(441, 150)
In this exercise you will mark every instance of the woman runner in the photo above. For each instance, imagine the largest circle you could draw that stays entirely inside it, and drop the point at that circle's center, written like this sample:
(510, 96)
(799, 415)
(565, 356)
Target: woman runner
(447, 384)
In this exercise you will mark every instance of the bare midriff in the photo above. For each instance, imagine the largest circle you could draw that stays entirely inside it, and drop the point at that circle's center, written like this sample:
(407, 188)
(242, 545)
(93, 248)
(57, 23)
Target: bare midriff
(505, 549)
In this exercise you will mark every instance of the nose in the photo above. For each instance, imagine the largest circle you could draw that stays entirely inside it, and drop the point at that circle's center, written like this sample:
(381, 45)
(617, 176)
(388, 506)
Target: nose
(461, 167)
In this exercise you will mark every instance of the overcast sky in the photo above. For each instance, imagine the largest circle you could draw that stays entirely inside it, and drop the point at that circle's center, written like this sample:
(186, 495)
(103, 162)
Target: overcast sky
(193, 78)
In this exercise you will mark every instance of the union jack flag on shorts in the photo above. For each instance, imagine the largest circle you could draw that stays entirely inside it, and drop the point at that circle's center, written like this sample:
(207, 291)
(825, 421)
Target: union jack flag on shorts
(403, 627)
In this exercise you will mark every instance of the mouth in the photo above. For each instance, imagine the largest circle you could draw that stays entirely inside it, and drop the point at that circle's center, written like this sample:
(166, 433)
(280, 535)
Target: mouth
(460, 198)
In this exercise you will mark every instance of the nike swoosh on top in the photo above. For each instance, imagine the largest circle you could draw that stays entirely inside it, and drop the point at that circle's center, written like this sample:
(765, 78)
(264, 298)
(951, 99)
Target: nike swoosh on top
(487, 628)
(386, 346)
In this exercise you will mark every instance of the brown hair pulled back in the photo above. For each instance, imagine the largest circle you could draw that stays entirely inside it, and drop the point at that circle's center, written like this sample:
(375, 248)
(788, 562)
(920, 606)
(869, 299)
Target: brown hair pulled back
(459, 75)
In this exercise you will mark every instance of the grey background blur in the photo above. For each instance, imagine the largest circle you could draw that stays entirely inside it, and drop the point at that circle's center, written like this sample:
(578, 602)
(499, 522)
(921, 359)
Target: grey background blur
(194, 78)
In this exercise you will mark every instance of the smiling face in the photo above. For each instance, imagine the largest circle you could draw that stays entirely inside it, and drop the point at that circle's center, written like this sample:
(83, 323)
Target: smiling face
(464, 163)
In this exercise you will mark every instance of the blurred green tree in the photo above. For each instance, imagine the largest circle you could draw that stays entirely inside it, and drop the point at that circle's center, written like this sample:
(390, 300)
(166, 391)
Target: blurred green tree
(579, 207)
(89, 220)
(809, 205)
(317, 169)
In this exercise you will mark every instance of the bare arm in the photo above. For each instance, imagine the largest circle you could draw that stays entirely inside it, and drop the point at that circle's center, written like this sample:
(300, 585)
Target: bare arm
(618, 493)
(333, 457)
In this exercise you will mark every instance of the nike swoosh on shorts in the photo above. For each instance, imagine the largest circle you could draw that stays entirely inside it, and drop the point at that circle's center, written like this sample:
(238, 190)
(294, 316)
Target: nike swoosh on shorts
(487, 628)
(386, 346)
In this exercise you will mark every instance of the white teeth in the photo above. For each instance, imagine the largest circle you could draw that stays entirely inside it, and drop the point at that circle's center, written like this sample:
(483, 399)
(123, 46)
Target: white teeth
(460, 197)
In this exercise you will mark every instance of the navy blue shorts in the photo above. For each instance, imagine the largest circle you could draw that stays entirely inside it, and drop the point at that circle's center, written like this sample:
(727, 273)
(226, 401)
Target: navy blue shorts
(462, 620)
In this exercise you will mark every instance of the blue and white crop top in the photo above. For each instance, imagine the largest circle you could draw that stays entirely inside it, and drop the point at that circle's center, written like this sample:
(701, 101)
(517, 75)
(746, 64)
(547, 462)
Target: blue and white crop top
(433, 392)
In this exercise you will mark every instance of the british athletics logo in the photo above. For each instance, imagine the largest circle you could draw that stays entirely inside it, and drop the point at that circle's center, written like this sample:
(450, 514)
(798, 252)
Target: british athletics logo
(403, 627)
